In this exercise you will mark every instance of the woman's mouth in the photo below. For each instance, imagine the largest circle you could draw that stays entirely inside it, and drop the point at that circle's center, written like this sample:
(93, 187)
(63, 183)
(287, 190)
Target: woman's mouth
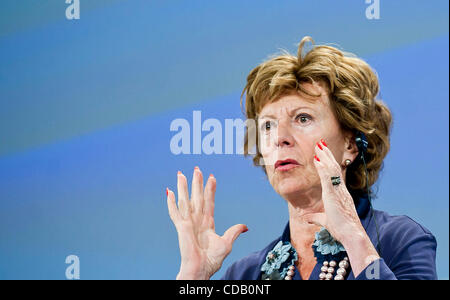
(285, 165)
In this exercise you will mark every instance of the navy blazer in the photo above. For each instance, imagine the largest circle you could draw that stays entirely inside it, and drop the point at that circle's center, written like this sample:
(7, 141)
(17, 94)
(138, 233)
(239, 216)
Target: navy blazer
(408, 250)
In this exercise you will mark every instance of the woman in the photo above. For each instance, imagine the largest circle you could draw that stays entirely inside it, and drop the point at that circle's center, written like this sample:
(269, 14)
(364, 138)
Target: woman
(321, 138)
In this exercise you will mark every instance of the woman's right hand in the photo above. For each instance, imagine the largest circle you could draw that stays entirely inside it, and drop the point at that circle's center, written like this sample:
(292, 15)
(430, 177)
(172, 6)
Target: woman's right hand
(202, 250)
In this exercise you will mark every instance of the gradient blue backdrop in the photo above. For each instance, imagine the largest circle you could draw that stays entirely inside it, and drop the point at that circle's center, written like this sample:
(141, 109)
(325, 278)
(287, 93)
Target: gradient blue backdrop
(86, 107)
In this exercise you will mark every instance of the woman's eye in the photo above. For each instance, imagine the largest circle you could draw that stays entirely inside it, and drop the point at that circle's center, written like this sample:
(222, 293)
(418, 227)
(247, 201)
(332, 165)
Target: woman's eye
(303, 118)
(267, 125)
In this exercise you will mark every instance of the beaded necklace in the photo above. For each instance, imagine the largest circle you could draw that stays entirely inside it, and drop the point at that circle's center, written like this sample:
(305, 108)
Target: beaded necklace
(327, 270)
(280, 261)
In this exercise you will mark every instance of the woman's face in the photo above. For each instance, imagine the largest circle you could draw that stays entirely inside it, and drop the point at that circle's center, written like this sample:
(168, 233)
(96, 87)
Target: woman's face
(289, 130)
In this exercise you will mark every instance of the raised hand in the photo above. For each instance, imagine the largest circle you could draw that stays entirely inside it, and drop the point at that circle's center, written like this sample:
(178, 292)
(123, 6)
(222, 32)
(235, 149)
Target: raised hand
(340, 217)
(202, 250)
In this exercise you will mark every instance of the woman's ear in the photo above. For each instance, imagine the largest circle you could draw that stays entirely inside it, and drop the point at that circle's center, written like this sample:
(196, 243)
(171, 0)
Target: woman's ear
(351, 150)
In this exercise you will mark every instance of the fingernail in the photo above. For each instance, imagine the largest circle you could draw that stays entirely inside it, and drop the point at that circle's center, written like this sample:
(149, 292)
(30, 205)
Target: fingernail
(315, 156)
(196, 168)
(167, 192)
(323, 142)
(179, 172)
(319, 146)
(245, 230)
(211, 175)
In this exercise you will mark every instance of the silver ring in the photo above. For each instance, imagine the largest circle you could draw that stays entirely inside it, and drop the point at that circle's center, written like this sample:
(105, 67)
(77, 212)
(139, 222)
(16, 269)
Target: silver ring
(335, 180)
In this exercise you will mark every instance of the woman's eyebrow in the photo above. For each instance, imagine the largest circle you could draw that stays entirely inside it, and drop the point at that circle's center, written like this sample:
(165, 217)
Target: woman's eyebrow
(290, 113)
(267, 116)
(300, 107)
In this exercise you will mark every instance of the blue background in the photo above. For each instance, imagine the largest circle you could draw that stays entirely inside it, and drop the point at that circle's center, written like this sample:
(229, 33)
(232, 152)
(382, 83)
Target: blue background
(86, 107)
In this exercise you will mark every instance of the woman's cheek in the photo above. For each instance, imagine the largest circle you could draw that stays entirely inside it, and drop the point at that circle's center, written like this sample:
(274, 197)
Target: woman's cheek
(268, 162)
(269, 155)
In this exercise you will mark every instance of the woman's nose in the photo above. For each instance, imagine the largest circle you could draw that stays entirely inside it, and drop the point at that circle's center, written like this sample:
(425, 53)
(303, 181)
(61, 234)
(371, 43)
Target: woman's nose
(284, 137)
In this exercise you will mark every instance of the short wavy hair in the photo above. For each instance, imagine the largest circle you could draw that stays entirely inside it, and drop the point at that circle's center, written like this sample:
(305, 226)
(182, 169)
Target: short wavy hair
(352, 87)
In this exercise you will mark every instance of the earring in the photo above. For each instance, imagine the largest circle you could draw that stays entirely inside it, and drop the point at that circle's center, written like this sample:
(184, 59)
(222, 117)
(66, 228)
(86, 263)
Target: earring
(347, 162)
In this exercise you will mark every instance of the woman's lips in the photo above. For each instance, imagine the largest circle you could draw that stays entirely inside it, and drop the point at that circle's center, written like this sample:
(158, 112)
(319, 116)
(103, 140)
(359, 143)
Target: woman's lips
(285, 165)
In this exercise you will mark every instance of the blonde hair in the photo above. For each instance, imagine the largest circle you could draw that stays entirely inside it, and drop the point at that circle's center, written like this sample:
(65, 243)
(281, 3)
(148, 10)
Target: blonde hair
(352, 88)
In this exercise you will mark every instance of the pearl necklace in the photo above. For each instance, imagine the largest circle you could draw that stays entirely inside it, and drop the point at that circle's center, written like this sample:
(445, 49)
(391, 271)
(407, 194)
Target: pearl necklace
(327, 270)
(290, 273)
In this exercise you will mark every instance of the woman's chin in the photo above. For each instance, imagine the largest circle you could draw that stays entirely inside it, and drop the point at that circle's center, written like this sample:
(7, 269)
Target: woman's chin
(296, 185)
(289, 188)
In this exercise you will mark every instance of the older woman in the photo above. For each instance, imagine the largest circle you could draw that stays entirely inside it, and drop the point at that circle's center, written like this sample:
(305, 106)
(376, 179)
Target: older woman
(321, 138)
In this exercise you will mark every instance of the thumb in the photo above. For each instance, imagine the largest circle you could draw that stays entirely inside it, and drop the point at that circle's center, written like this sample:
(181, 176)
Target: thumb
(319, 219)
(233, 232)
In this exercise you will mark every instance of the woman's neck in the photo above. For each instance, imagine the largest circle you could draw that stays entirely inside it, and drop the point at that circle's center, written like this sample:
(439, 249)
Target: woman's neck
(302, 233)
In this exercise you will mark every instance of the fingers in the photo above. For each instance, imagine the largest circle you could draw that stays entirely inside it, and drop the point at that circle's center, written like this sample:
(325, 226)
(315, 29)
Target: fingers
(325, 156)
(172, 206)
(319, 219)
(196, 204)
(326, 165)
(183, 195)
(210, 192)
(233, 232)
(197, 191)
